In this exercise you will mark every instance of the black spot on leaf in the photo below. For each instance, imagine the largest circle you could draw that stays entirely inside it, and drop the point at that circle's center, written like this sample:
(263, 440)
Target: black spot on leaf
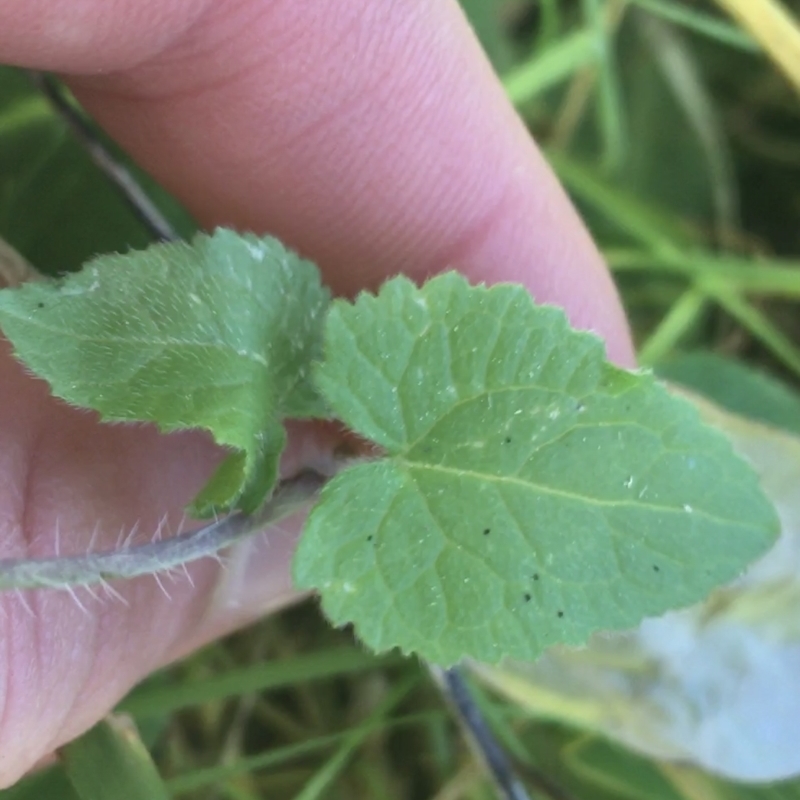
(536, 576)
(487, 531)
(527, 597)
(656, 568)
(560, 613)
(507, 440)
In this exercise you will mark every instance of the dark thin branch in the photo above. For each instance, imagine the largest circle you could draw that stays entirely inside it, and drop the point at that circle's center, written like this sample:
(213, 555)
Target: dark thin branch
(454, 687)
(456, 690)
(112, 168)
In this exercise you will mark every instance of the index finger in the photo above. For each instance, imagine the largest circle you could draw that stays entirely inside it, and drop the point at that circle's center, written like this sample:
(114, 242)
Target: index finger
(373, 137)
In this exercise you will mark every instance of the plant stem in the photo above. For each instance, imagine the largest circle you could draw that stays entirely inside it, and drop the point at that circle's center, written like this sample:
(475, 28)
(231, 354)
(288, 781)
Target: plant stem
(112, 168)
(130, 562)
(455, 689)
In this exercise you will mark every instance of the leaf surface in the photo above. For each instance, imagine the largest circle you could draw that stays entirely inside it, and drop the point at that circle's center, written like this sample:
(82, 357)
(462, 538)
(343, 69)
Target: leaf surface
(217, 334)
(714, 685)
(531, 492)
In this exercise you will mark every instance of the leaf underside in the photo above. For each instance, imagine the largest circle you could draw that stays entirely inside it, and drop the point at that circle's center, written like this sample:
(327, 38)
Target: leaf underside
(218, 334)
(531, 493)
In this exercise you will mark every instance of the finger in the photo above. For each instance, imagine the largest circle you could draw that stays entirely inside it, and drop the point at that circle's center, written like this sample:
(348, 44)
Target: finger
(383, 138)
(372, 136)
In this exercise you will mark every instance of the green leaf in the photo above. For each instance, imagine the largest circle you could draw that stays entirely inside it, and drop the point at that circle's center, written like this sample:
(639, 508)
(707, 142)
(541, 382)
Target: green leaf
(714, 685)
(618, 771)
(735, 386)
(491, 25)
(147, 701)
(109, 762)
(51, 783)
(217, 334)
(531, 492)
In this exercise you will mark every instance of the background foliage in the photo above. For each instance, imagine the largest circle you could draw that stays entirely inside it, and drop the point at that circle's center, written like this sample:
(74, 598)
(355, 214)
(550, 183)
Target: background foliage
(678, 139)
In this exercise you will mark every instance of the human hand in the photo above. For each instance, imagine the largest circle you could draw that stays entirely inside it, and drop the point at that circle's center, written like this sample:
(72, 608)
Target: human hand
(374, 138)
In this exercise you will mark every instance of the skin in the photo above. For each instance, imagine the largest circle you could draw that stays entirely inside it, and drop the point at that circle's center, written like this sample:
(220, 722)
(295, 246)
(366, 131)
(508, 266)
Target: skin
(374, 138)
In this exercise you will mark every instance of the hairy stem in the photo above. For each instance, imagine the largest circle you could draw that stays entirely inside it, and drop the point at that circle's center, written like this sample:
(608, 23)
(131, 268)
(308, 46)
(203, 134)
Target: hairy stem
(94, 568)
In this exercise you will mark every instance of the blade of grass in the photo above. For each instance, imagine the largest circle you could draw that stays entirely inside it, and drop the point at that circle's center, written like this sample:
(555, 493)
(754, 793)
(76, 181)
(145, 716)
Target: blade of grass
(109, 762)
(257, 677)
(550, 22)
(760, 327)
(572, 108)
(333, 767)
(202, 778)
(50, 783)
(603, 18)
(683, 76)
(691, 783)
(25, 112)
(766, 277)
(681, 317)
(762, 276)
(616, 771)
(581, 88)
(701, 23)
(550, 67)
(209, 776)
(462, 785)
(773, 27)
(234, 792)
(629, 214)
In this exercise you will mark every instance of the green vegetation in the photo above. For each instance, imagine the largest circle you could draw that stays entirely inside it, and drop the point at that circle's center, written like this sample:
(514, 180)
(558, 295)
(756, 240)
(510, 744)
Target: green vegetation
(678, 140)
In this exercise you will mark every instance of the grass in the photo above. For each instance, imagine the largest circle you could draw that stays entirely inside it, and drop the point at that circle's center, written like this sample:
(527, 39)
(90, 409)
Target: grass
(674, 125)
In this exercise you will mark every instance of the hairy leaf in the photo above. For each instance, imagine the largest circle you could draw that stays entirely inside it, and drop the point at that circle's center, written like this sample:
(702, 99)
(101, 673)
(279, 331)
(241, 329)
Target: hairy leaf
(217, 334)
(531, 492)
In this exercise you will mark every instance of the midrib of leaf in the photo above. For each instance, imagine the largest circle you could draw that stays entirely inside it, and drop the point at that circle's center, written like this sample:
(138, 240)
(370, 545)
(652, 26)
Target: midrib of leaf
(164, 344)
(151, 342)
(488, 477)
